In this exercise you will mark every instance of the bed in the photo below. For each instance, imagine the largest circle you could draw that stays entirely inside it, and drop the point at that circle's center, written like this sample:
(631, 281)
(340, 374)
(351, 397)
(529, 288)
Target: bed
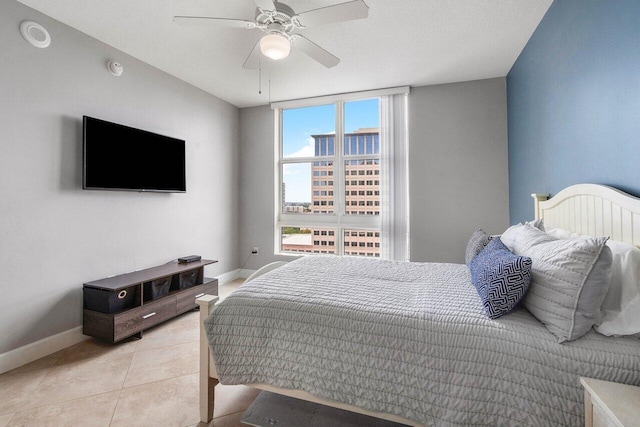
(409, 342)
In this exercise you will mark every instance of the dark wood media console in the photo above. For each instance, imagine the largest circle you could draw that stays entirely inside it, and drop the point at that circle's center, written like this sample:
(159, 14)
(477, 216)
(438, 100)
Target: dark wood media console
(139, 310)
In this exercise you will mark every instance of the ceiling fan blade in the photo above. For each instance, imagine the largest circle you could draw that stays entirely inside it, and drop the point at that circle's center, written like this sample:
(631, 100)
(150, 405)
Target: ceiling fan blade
(253, 60)
(356, 9)
(203, 20)
(314, 51)
(265, 4)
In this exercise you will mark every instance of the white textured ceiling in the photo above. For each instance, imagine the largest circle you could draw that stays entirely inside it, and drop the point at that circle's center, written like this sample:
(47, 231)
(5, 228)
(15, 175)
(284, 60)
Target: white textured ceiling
(402, 42)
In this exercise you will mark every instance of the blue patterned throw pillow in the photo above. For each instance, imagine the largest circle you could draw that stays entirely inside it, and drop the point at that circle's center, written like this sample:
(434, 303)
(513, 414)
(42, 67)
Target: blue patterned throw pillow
(500, 277)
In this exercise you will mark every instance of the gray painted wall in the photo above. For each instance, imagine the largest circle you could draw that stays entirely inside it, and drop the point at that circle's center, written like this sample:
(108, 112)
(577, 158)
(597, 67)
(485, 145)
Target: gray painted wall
(256, 187)
(458, 171)
(53, 235)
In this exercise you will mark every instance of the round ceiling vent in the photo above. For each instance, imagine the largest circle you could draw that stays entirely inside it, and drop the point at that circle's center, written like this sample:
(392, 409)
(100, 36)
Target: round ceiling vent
(35, 34)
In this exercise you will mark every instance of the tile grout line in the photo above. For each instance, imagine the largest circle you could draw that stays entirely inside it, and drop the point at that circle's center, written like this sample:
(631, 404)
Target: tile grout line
(160, 380)
(113, 414)
(61, 402)
(167, 346)
(149, 383)
(33, 389)
(70, 400)
(115, 407)
(228, 415)
(12, 417)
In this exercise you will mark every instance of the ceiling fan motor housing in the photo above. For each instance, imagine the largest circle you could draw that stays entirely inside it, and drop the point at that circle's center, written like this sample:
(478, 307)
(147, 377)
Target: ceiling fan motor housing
(281, 15)
(276, 28)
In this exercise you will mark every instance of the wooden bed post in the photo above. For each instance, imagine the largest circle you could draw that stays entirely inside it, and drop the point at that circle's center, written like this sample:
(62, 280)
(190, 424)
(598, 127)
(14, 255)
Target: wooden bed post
(537, 198)
(207, 384)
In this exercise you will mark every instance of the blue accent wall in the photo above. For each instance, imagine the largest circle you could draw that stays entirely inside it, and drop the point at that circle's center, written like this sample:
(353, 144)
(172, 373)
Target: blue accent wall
(573, 99)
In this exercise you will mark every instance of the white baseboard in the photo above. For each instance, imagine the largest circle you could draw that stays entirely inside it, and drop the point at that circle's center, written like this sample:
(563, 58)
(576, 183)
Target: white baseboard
(233, 275)
(44, 347)
(244, 273)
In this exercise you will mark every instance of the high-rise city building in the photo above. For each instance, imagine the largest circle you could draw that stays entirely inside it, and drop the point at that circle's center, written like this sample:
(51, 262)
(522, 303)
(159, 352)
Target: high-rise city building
(362, 194)
(284, 196)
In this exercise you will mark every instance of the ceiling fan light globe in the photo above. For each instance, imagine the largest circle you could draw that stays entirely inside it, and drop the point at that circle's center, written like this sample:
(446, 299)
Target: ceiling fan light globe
(275, 46)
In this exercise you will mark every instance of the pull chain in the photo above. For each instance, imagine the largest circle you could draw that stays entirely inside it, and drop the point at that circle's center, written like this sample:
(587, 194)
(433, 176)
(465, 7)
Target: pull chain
(269, 81)
(260, 75)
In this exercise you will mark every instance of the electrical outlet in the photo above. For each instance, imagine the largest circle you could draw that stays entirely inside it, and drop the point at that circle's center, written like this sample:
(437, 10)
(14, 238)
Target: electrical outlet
(255, 250)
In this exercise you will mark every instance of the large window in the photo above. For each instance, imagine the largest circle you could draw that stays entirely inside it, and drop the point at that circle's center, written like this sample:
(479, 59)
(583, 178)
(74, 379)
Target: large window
(341, 175)
(330, 190)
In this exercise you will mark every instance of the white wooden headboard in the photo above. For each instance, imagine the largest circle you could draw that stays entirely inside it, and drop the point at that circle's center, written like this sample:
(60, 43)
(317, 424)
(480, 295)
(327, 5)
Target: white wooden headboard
(596, 210)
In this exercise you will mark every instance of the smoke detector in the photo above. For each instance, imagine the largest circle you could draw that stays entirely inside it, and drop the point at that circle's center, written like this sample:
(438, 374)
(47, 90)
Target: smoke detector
(115, 68)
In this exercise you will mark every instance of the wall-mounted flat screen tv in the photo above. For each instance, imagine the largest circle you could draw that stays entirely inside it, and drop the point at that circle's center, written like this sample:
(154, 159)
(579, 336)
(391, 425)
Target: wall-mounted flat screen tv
(118, 157)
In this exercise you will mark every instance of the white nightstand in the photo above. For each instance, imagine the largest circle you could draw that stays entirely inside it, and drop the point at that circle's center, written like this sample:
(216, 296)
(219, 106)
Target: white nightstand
(610, 404)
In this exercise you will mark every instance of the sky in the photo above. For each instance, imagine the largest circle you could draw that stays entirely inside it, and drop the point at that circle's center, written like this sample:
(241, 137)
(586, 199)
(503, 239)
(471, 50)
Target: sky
(299, 124)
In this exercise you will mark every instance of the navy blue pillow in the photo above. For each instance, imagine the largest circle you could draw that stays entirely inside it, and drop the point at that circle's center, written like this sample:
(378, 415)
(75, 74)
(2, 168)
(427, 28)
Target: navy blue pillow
(500, 277)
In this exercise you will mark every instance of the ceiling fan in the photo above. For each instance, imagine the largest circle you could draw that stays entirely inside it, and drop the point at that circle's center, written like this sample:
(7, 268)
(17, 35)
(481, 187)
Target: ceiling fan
(280, 23)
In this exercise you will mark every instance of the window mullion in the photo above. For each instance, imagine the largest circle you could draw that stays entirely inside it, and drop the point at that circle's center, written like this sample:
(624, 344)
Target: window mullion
(339, 192)
(278, 178)
(306, 159)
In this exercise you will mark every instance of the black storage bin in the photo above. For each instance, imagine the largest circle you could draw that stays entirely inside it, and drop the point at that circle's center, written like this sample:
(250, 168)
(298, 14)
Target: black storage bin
(156, 288)
(185, 280)
(106, 301)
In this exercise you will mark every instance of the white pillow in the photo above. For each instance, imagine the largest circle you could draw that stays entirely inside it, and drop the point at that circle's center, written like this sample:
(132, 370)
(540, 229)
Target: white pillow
(620, 310)
(569, 278)
(560, 233)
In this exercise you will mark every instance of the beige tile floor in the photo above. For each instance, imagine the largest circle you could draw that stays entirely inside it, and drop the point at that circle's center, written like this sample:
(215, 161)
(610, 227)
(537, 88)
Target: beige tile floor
(147, 382)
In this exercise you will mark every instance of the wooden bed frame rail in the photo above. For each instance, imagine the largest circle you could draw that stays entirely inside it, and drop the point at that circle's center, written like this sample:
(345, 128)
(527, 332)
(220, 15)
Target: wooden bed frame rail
(208, 379)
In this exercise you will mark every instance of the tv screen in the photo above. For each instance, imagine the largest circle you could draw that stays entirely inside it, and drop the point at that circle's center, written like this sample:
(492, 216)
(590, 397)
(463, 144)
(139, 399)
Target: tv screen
(118, 157)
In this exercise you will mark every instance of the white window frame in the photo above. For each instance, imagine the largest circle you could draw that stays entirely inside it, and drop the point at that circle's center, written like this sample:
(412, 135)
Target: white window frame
(338, 220)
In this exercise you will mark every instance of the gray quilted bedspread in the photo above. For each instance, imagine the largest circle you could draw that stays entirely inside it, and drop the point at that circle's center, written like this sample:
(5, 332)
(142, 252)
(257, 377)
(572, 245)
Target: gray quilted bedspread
(409, 339)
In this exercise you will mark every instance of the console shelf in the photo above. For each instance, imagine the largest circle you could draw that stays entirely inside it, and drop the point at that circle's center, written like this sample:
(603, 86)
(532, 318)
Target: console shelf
(140, 310)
